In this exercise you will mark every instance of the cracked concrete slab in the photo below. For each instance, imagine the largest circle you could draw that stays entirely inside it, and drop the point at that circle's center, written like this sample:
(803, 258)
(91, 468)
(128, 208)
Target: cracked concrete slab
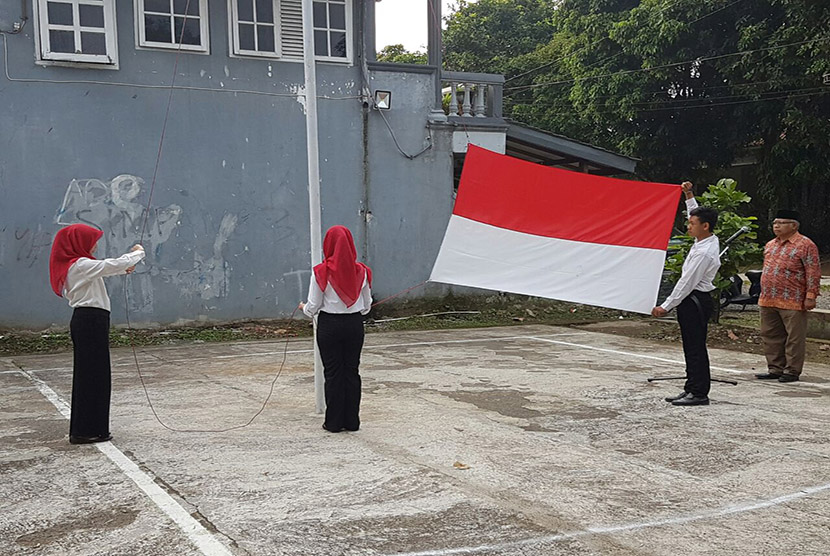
(509, 441)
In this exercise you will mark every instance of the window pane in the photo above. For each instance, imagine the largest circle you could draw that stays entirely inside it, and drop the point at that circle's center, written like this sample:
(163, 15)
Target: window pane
(246, 36)
(60, 14)
(265, 11)
(192, 33)
(157, 28)
(192, 7)
(321, 43)
(93, 43)
(91, 16)
(338, 44)
(160, 6)
(265, 38)
(62, 41)
(320, 15)
(245, 9)
(337, 16)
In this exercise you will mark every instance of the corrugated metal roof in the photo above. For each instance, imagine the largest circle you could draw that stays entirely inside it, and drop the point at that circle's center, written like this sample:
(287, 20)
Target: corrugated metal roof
(550, 149)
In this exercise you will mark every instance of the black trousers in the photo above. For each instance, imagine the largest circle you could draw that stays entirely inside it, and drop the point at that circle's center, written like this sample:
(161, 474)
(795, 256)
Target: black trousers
(91, 376)
(340, 339)
(693, 318)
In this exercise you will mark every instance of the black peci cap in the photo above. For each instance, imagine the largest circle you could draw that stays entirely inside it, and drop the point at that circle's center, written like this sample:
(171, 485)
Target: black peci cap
(785, 214)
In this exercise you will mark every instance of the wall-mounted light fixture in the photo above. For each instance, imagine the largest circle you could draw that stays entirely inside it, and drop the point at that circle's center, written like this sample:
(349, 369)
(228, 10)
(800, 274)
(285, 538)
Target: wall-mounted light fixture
(383, 100)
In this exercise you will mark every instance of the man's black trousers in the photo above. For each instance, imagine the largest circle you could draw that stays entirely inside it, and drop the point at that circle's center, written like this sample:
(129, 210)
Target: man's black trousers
(340, 339)
(693, 316)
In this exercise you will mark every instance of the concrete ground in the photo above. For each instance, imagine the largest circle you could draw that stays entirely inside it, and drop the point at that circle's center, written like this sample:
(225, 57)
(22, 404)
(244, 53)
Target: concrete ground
(528, 440)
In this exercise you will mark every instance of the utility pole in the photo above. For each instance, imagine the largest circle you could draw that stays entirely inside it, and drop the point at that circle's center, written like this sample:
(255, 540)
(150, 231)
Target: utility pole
(313, 178)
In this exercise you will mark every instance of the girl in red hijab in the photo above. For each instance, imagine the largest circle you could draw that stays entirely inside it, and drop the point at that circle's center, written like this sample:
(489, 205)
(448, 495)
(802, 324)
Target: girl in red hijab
(339, 295)
(79, 277)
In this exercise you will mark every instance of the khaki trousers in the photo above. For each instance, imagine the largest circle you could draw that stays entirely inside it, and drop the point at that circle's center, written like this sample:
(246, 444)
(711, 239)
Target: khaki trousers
(784, 332)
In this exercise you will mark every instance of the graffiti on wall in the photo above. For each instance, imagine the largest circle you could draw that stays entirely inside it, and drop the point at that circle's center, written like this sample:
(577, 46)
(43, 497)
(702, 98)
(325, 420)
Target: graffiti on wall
(112, 207)
(209, 277)
(31, 245)
(297, 280)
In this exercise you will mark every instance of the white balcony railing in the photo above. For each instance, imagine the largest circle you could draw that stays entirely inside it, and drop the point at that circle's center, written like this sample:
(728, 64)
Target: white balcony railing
(472, 95)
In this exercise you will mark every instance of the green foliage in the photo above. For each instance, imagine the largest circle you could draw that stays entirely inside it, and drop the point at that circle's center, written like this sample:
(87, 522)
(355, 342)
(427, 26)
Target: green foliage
(486, 36)
(744, 251)
(396, 53)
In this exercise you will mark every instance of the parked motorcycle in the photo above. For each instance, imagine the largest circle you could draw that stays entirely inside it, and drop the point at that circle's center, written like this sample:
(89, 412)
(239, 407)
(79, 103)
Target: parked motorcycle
(734, 295)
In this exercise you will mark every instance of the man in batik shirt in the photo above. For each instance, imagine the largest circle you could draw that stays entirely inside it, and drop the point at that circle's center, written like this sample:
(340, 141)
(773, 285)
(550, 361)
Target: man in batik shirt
(789, 287)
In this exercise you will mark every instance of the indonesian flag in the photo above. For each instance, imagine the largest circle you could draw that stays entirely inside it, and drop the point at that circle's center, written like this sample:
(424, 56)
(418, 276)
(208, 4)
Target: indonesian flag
(524, 228)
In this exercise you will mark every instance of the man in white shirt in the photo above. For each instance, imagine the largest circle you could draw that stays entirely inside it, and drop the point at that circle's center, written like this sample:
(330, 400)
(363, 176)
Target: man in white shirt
(693, 299)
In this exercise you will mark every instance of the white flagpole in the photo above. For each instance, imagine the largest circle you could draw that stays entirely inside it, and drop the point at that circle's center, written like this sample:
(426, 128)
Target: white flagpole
(313, 177)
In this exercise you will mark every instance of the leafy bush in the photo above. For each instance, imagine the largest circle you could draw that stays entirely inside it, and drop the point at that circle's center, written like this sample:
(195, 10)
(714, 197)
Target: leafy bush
(744, 252)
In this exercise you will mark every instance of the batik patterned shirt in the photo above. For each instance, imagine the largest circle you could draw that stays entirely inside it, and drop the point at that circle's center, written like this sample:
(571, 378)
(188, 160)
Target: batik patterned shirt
(792, 273)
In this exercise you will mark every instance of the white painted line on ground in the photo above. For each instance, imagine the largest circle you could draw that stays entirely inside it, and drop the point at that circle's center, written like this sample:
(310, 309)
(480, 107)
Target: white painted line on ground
(545, 338)
(674, 362)
(195, 532)
(711, 514)
(629, 354)
(48, 393)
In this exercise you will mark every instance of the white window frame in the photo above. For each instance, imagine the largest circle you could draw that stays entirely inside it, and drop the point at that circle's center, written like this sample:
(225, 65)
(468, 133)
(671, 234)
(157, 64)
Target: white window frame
(142, 43)
(348, 31)
(76, 59)
(233, 32)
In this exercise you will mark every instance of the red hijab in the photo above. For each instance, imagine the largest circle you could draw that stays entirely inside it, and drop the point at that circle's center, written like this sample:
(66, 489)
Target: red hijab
(71, 243)
(340, 267)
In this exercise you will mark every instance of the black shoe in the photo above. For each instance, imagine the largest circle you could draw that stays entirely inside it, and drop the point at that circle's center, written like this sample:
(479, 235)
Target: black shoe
(680, 396)
(89, 439)
(787, 378)
(332, 430)
(691, 399)
(768, 376)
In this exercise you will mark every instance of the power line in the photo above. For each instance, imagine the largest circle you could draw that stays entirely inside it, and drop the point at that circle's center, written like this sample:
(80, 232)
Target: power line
(669, 6)
(714, 12)
(147, 86)
(705, 105)
(543, 66)
(663, 66)
(689, 100)
(618, 53)
(713, 87)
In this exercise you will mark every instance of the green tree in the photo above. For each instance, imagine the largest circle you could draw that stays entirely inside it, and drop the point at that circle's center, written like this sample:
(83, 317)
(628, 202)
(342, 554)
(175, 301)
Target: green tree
(396, 53)
(744, 252)
(488, 35)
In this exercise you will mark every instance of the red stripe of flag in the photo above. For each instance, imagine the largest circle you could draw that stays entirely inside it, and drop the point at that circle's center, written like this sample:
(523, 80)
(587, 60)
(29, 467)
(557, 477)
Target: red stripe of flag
(517, 195)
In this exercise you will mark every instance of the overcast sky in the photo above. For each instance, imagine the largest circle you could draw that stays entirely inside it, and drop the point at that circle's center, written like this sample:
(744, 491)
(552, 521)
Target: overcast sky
(404, 22)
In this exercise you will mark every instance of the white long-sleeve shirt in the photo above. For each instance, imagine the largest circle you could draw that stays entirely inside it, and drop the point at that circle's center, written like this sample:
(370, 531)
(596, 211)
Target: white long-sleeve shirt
(699, 269)
(84, 285)
(329, 302)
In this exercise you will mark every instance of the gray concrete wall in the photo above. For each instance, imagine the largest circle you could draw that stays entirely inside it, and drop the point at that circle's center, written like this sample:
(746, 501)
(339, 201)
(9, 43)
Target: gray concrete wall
(227, 234)
(410, 199)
